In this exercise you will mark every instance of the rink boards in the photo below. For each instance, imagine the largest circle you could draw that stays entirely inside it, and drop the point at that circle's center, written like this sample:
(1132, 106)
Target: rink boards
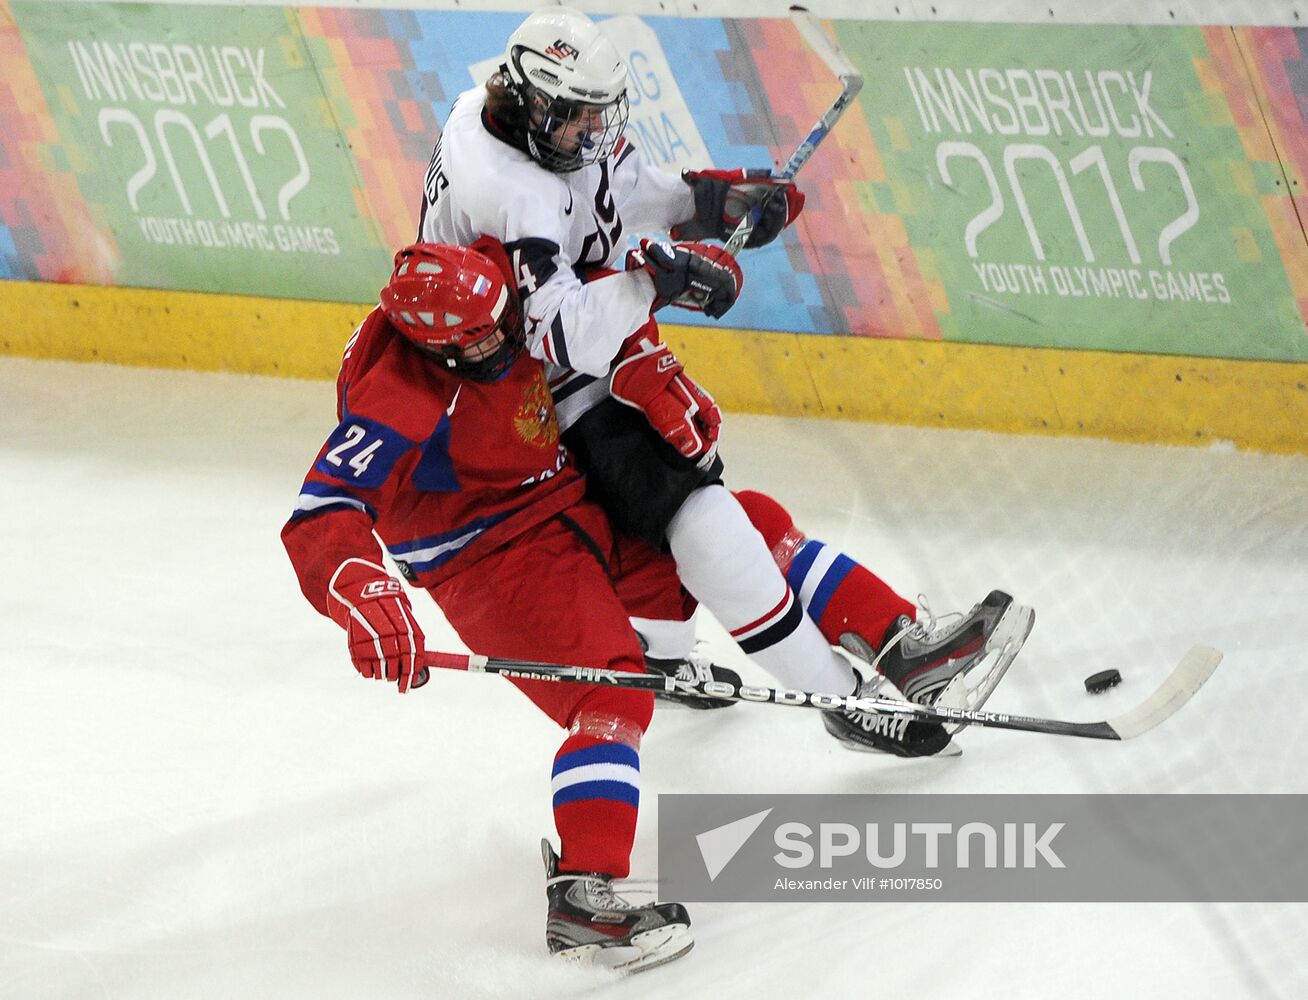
(1257, 405)
(1030, 227)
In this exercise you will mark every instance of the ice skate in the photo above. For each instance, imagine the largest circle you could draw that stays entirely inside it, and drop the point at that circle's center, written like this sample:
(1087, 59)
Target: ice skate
(694, 667)
(956, 665)
(589, 923)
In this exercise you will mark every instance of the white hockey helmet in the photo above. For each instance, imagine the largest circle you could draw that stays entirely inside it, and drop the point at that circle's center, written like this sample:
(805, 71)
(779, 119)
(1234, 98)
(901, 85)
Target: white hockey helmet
(573, 83)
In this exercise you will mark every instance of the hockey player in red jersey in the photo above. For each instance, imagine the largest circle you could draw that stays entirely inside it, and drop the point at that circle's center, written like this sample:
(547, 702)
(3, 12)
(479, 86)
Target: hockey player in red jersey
(538, 159)
(447, 449)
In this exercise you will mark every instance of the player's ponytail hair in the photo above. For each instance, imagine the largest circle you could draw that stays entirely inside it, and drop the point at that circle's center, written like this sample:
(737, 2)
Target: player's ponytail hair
(506, 103)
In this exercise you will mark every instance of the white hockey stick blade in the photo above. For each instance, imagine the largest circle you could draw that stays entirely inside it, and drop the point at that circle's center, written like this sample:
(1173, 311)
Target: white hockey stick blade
(1179, 687)
(822, 45)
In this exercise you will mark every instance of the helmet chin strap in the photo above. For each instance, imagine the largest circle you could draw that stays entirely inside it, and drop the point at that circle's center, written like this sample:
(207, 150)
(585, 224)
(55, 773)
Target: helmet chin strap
(550, 156)
(488, 369)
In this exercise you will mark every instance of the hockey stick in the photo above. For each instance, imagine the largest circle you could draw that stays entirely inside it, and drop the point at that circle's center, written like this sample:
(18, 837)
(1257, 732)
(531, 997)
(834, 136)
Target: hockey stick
(851, 82)
(1185, 679)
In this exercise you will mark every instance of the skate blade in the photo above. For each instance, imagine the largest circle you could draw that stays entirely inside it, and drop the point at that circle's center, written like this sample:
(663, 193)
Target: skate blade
(1013, 626)
(1007, 641)
(667, 944)
(645, 951)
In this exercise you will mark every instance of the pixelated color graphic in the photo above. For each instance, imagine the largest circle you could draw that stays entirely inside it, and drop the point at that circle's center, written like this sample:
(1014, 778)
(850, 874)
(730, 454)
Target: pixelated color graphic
(871, 280)
(720, 78)
(384, 104)
(1277, 58)
(47, 231)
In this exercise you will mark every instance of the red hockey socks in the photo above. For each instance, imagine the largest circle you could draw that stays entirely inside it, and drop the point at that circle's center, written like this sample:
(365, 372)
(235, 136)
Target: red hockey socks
(596, 785)
(838, 593)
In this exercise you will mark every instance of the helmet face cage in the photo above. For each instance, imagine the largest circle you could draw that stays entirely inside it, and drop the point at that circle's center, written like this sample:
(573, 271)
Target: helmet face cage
(486, 369)
(489, 367)
(448, 300)
(565, 135)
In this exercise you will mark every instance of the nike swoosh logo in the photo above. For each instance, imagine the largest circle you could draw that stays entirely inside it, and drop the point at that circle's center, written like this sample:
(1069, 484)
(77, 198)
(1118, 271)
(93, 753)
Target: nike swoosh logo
(449, 410)
(568, 210)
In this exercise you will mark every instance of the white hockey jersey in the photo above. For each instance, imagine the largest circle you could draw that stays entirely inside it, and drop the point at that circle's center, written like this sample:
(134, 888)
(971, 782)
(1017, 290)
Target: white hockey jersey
(552, 226)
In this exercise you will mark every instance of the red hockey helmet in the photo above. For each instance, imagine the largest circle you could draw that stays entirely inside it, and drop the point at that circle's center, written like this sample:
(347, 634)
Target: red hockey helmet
(456, 305)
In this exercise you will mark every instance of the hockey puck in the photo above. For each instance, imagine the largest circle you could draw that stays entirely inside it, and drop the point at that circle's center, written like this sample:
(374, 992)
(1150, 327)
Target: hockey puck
(1102, 681)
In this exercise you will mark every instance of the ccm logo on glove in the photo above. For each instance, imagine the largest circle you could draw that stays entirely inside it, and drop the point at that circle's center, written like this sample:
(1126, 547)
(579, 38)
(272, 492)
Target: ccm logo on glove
(385, 640)
(649, 378)
(378, 587)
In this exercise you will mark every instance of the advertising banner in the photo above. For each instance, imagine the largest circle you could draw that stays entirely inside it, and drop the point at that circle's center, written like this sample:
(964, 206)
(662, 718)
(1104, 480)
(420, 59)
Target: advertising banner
(1064, 193)
(1093, 187)
(203, 147)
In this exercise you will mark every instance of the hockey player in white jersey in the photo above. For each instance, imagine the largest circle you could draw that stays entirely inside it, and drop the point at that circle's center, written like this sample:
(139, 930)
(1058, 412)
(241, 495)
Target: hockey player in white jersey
(537, 158)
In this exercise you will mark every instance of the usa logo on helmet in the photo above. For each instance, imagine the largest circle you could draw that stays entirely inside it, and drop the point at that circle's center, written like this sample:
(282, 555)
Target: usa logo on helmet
(561, 50)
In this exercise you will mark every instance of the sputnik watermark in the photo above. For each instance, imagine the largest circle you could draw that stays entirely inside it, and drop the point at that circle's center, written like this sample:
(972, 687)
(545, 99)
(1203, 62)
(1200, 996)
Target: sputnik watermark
(718, 846)
(1018, 848)
(1024, 845)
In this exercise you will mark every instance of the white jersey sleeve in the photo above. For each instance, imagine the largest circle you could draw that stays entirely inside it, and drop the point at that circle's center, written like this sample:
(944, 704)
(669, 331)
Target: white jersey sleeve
(649, 198)
(551, 225)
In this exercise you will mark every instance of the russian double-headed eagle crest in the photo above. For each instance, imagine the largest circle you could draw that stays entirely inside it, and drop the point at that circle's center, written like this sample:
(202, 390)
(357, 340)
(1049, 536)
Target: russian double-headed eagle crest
(534, 420)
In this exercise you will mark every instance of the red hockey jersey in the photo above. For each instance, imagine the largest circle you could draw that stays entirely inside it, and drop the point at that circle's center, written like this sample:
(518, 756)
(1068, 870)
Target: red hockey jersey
(442, 468)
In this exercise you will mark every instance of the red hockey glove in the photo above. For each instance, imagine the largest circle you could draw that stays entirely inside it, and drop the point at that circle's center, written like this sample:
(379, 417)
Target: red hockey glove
(690, 275)
(649, 377)
(722, 197)
(386, 643)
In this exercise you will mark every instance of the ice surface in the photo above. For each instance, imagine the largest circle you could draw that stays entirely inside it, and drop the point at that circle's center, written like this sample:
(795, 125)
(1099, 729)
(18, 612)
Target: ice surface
(199, 798)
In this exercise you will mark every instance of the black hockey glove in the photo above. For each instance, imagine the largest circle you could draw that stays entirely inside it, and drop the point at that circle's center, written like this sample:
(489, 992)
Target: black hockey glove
(690, 275)
(722, 197)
